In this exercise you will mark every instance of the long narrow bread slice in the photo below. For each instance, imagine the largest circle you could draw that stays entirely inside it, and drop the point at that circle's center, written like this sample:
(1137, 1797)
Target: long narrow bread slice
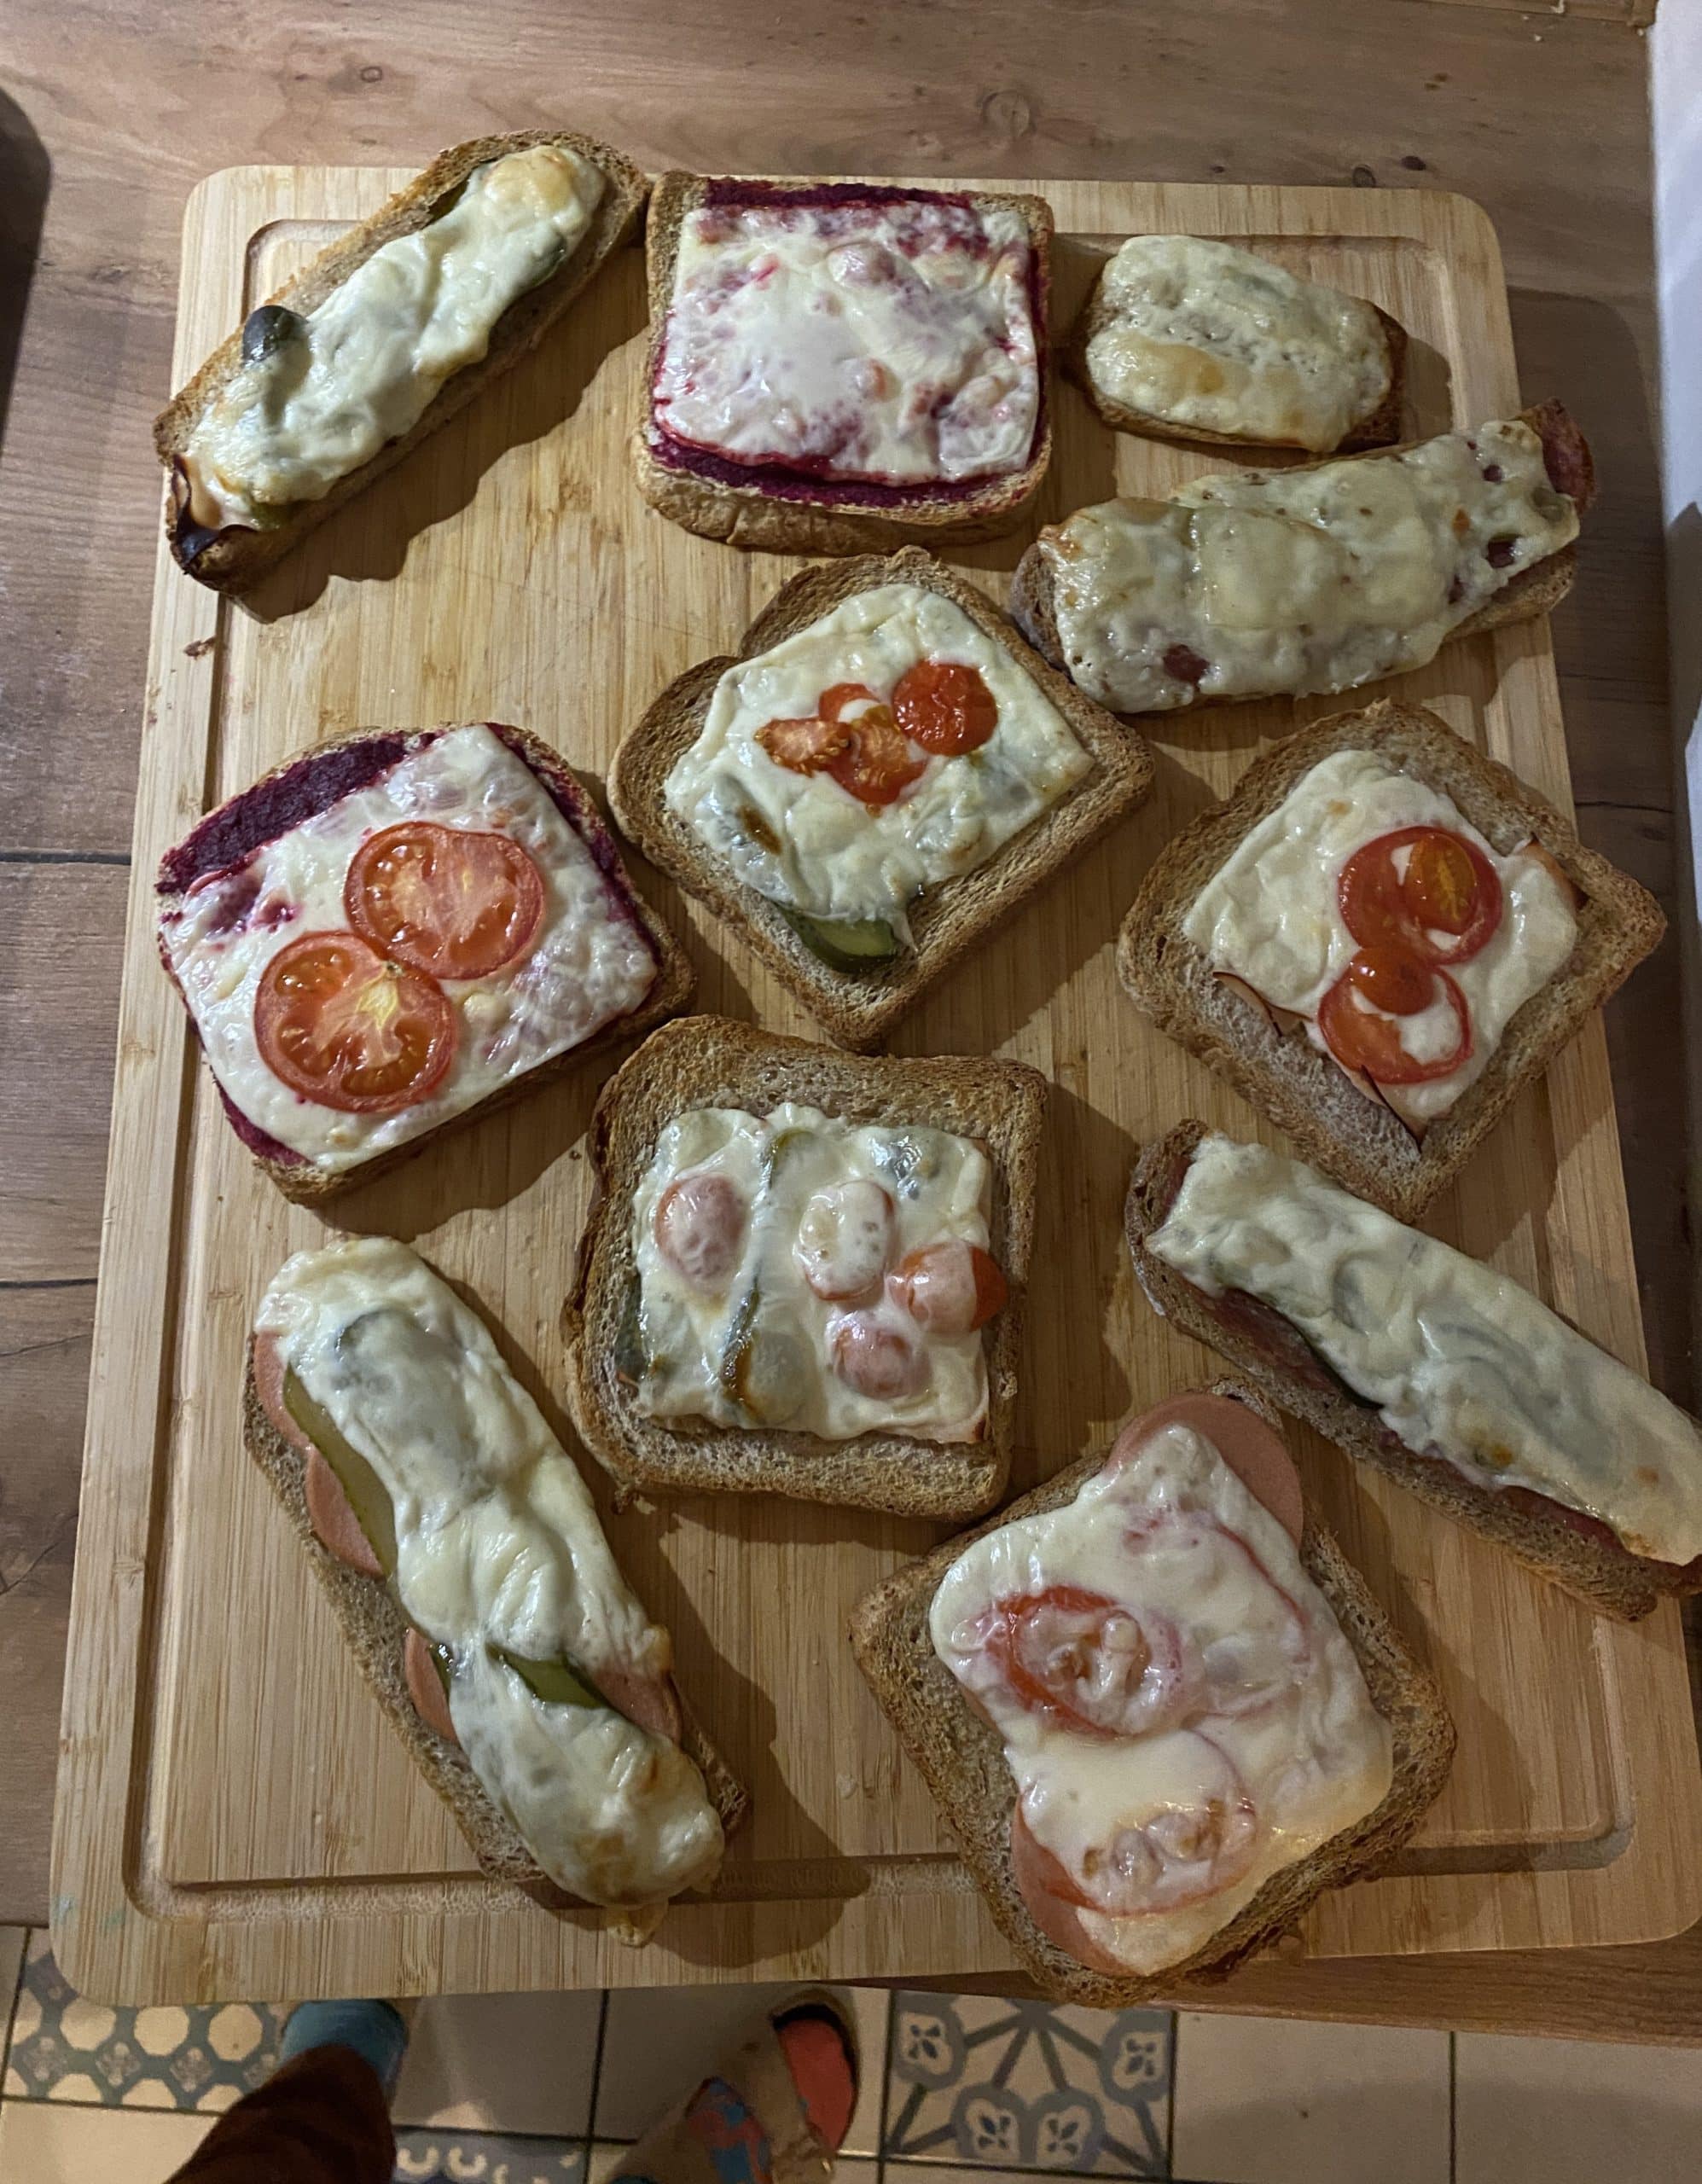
(710, 1061)
(375, 1629)
(234, 558)
(859, 1008)
(781, 513)
(1567, 1549)
(1378, 428)
(297, 788)
(1338, 1127)
(1534, 591)
(961, 1758)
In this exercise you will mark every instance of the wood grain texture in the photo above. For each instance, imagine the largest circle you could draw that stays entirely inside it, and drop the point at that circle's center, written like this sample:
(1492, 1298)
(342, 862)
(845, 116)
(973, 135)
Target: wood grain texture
(517, 574)
(1453, 96)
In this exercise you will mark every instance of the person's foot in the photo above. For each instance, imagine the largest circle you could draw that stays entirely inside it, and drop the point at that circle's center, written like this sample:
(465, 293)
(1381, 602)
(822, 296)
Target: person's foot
(824, 2068)
(377, 2031)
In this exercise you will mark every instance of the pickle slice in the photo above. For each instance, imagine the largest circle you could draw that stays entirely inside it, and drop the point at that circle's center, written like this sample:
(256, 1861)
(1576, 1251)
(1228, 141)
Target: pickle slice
(846, 943)
(369, 1497)
(557, 1683)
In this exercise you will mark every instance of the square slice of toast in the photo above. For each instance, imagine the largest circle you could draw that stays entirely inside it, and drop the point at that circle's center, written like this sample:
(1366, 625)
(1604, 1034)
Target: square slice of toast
(710, 1061)
(1339, 1128)
(784, 511)
(858, 1009)
(962, 1757)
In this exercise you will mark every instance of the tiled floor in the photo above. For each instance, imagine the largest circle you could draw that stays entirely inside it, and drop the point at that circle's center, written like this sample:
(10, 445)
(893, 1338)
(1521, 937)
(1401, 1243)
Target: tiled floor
(550, 2088)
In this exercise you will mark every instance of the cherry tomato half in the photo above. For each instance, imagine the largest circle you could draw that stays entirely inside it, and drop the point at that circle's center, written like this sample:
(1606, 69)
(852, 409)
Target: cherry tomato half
(804, 746)
(945, 707)
(879, 767)
(449, 901)
(1360, 1039)
(698, 1226)
(1443, 909)
(950, 1288)
(346, 1029)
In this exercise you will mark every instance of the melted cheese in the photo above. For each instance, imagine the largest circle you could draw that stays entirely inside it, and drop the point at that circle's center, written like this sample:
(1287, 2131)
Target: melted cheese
(367, 362)
(1199, 332)
(499, 1545)
(1284, 582)
(802, 841)
(589, 964)
(1458, 1360)
(765, 1318)
(890, 342)
(1269, 915)
(1314, 1760)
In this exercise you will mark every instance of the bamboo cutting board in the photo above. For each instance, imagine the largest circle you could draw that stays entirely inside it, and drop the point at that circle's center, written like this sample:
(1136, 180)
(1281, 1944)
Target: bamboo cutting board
(234, 1817)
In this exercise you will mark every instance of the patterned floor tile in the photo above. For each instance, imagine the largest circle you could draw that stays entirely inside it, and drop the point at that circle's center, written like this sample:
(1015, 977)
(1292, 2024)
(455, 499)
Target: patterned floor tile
(1572, 2111)
(1261, 2100)
(12, 1940)
(518, 2063)
(479, 2158)
(66, 2048)
(41, 2144)
(606, 2157)
(1023, 2085)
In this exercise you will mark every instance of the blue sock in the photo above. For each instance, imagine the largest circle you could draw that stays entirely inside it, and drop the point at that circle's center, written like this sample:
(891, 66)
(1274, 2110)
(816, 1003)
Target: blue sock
(374, 2030)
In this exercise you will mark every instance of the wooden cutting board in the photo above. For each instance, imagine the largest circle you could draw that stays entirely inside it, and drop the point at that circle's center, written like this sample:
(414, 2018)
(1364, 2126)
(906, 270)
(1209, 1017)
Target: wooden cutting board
(235, 1818)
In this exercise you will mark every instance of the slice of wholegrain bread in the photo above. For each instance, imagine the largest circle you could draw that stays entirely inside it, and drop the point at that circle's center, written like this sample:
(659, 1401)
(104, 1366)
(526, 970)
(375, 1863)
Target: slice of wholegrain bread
(1534, 591)
(1555, 1542)
(962, 1757)
(232, 558)
(1378, 428)
(313, 780)
(783, 512)
(710, 1061)
(859, 1008)
(1337, 1126)
(376, 1630)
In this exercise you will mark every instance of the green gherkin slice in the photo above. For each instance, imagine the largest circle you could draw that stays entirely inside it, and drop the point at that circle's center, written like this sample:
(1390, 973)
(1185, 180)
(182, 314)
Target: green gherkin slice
(846, 943)
(557, 1683)
(369, 1497)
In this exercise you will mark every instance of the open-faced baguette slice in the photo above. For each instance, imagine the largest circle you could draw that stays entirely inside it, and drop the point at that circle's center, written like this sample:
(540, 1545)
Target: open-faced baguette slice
(1534, 591)
(860, 1007)
(1556, 1543)
(303, 787)
(232, 558)
(379, 1633)
(786, 512)
(963, 1759)
(1378, 427)
(1339, 1127)
(710, 1061)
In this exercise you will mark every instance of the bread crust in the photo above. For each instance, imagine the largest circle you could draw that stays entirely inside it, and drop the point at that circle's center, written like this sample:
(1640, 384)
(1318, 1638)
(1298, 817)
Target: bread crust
(373, 1624)
(1534, 591)
(231, 559)
(962, 1757)
(753, 515)
(1336, 1126)
(1590, 1564)
(858, 1009)
(297, 1177)
(712, 1061)
(1378, 428)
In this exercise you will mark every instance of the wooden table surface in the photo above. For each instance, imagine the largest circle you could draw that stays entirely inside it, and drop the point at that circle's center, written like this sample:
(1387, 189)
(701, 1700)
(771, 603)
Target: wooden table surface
(112, 110)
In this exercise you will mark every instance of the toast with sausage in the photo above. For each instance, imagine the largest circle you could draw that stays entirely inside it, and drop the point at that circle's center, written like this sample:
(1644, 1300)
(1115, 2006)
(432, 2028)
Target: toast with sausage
(1428, 1365)
(465, 1562)
(383, 337)
(1379, 939)
(1159, 1710)
(803, 1272)
(883, 774)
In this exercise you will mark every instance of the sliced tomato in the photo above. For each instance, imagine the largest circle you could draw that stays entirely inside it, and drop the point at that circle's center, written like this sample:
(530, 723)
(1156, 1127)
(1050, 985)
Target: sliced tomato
(346, 1029)
(1362, 1038)
(1443, 907)
(450, 901)
(846, 697)
(945, 707)
(804, 746)
(879, 765)
(1392, 978)
(1086, 1660)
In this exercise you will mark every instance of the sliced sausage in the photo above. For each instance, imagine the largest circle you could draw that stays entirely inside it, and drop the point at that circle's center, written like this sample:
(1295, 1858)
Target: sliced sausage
(1253, 1450)
(1566, 452)
(424, 1686)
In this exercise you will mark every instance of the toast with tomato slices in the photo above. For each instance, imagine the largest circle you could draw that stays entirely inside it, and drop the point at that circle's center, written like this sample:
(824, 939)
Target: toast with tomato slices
(1323, 1096)
(857, 987)
(705, 1064)
(334, 931)
(962, 1756)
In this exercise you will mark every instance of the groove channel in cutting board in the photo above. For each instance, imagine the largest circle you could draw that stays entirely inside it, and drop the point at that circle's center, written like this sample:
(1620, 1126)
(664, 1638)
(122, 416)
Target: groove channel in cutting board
(236, 1817)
